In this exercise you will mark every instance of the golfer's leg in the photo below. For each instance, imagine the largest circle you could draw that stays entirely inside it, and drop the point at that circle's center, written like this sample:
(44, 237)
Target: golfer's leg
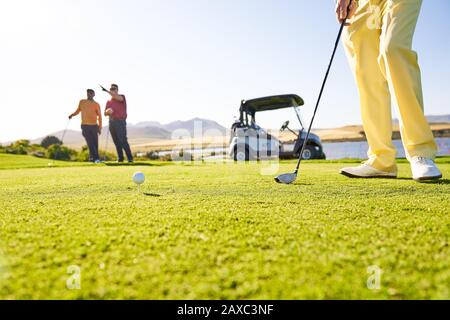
(400, 63)
(115, 138)
(95, 142)
(90, 143)
(124, 140)
(87, 137)
(361, 40)
(127, 145)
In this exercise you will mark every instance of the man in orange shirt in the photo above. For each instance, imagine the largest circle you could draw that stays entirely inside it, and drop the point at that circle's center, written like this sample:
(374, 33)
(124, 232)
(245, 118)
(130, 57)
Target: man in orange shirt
(91, 123)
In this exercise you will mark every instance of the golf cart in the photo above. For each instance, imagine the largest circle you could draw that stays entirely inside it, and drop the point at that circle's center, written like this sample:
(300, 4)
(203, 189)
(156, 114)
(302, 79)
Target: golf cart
(251, 142)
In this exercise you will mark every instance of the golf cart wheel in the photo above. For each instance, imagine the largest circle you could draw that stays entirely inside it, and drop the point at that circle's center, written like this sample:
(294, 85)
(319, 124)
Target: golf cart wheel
(309, 153)
(241, 155)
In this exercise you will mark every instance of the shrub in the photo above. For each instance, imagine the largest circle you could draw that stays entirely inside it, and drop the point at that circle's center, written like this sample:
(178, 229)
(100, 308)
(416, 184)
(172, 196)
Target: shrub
(50, 140)
(36, 148)
(25, 144)
(83, 155)
(19, 147)
(106, 156)
(21, 150)
(58, 152)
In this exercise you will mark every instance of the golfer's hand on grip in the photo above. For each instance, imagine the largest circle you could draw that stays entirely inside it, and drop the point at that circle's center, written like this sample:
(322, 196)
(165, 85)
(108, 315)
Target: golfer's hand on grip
(345, 9)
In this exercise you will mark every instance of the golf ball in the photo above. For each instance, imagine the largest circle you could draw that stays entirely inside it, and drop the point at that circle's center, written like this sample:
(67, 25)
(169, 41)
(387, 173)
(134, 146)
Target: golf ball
(139, 178)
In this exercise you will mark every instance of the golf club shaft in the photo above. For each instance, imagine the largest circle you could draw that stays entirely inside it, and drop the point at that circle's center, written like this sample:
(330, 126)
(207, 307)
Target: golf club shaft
(65, 131)
(106, 145)
(320, 95)
(62, 139)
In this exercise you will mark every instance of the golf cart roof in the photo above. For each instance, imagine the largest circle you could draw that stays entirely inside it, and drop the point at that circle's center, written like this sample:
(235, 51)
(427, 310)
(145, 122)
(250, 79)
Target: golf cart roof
(272, 103)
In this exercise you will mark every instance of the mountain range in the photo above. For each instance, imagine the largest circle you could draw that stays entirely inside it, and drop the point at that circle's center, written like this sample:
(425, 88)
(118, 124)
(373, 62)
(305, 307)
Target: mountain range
(149, 131)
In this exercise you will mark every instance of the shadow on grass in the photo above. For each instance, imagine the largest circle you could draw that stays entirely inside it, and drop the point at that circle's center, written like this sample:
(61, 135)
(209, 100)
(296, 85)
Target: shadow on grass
(137, 164)
(154, 195)
(441, 181)
(302, 184)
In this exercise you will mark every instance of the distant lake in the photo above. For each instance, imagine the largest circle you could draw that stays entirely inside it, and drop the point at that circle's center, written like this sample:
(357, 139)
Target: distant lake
(358, 150)
(333, 150)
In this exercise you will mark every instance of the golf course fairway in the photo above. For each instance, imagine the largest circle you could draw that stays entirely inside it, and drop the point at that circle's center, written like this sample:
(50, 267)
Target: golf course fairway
(219, 231)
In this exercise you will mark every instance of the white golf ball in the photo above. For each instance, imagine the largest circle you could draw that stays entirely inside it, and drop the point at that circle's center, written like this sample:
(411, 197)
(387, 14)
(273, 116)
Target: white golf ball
(139, 178)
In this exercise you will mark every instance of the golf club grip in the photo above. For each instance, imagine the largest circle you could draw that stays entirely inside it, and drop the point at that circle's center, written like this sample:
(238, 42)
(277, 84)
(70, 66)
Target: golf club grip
(322, 89)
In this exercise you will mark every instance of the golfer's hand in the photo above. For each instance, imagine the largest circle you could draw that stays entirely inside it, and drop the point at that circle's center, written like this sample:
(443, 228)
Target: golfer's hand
(345, 9)
(109, 112)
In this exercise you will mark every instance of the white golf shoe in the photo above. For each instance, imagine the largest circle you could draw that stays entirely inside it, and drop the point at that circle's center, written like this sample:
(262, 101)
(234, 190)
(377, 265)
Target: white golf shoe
(366, 171)
(424, 169)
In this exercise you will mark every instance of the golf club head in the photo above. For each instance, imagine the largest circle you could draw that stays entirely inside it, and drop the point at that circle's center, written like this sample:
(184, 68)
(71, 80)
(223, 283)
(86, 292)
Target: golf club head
(287, 178)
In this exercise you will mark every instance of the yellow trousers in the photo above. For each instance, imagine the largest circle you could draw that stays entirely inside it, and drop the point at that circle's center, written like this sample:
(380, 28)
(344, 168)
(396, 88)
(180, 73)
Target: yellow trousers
(378, 44)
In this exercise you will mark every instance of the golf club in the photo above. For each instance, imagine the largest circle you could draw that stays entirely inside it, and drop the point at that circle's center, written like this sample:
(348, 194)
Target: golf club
(289, 178)
(106, 145)
(107, 133)
(103, 88)
(62, 140)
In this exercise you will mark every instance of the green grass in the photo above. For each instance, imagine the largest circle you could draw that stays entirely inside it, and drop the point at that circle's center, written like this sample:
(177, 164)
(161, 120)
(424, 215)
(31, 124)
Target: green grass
(21, 162)
(220, 231)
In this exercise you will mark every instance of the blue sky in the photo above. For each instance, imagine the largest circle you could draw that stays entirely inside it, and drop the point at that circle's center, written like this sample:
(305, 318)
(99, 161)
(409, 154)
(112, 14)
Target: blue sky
(178, 59)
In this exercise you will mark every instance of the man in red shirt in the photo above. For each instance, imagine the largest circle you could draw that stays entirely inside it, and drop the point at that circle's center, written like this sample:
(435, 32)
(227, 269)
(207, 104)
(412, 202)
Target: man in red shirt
(116, 109)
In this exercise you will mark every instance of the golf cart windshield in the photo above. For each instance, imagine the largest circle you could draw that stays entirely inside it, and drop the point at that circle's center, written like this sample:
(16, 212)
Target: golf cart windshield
(271, 103)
